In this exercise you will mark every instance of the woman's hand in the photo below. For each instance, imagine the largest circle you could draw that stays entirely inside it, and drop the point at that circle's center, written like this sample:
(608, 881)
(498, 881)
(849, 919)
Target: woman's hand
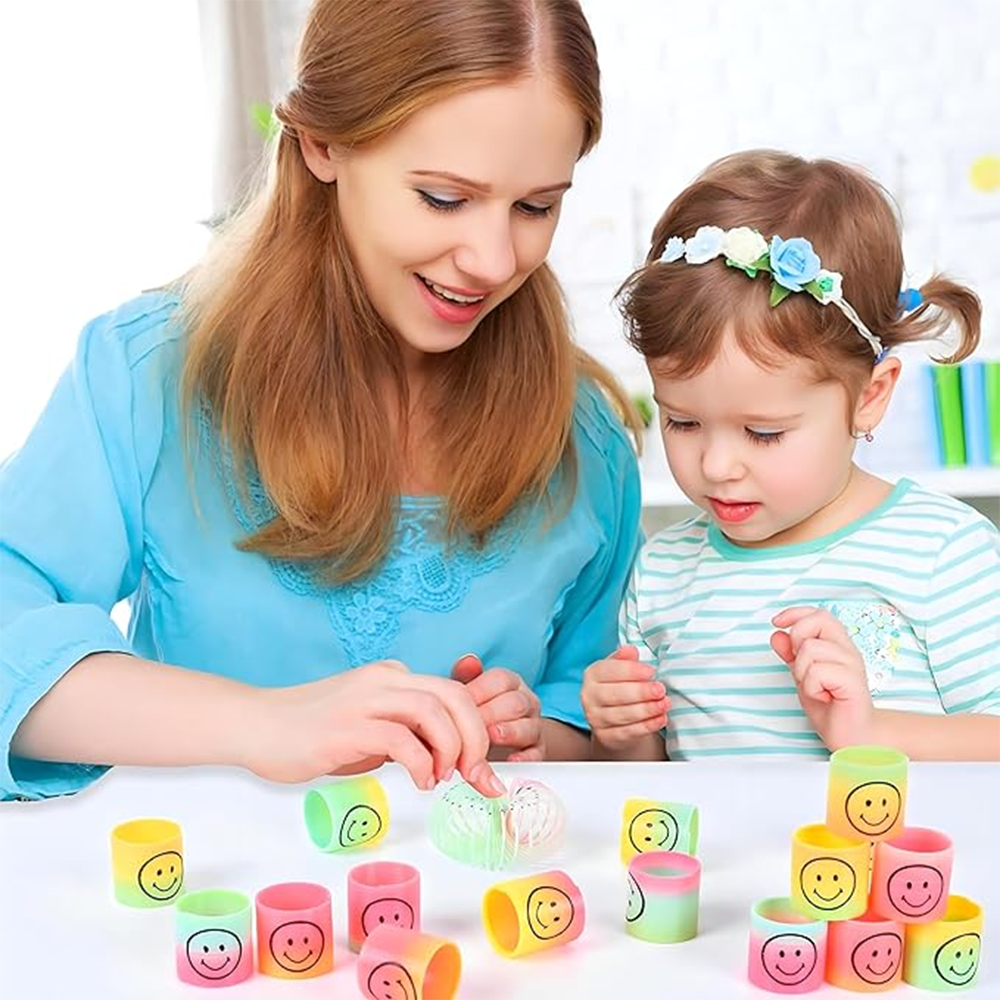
(509, 708)
(357, 720)
(829, 673)
(622, 700)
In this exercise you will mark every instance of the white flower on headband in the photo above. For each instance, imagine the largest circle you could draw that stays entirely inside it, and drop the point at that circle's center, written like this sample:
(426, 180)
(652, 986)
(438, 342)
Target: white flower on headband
(829, 284)
(705, 245)
(674, 250)
(793, 265)
(743, 246)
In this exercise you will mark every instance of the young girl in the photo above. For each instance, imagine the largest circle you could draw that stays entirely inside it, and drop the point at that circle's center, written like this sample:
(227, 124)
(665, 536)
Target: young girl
(357, 442)
(811, 604)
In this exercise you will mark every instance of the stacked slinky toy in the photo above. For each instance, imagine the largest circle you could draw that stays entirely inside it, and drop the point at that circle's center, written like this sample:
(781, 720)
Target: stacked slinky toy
(870, 903)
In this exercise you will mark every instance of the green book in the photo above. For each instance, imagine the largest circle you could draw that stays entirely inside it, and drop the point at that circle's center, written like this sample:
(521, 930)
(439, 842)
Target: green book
(991, 396)
(948, 408)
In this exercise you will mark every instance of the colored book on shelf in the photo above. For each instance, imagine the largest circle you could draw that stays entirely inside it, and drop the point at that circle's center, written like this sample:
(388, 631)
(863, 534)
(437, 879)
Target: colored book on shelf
(974, 420)
(948, 409)
(991, 401)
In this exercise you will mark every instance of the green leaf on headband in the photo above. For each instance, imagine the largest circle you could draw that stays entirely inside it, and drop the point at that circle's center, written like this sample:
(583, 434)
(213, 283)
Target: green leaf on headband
(748, 269)
(763, 262)
(779, 293)
(817, 289)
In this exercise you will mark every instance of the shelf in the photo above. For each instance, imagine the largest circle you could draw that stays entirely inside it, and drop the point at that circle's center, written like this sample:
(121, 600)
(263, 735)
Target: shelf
(659, 491)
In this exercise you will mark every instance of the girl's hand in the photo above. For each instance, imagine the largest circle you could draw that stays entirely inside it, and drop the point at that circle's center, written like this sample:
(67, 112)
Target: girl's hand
(357, 720)
(509, 708)
(829, 673)
(622, 701)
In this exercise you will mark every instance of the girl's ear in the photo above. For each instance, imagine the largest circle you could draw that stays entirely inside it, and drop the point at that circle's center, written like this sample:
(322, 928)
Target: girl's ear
(321, 158)
(874, 399)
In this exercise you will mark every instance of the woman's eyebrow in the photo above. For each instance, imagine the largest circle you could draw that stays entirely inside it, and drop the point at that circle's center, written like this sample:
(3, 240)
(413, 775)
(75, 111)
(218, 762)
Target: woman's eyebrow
(486, 189)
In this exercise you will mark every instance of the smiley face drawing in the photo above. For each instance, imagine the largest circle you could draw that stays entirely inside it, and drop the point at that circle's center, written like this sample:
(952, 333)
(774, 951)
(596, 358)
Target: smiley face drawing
(827, 883)
(636, 901)
(391, 911)
(653, 830)
(297, 945)
(214, 953)
(361, 824)
(957, 960)
(914, 890)
(390, 981)
(789, 959)
(873, 808)
(876, 959)
(550, 912)
(162, 876)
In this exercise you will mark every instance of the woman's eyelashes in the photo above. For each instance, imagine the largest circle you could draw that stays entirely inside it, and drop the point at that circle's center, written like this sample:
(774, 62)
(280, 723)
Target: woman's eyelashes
(439, 204)
(755, 435)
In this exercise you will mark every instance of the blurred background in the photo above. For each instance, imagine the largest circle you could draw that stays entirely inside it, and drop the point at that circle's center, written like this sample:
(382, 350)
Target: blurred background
(130, 124)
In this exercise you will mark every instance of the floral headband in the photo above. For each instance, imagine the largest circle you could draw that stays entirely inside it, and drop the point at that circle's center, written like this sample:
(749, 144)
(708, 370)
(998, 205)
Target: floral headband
(793, 265)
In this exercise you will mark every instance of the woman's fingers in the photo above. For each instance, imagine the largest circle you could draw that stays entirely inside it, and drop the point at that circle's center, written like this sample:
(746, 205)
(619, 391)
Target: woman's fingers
(517, 733)
(508, 707)
(396, 741)
(427, 717)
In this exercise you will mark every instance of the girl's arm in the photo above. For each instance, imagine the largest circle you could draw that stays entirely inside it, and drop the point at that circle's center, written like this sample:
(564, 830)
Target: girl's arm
(938, 737)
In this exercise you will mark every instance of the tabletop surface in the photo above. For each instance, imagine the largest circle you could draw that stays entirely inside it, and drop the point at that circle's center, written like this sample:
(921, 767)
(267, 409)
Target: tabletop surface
(62, 934)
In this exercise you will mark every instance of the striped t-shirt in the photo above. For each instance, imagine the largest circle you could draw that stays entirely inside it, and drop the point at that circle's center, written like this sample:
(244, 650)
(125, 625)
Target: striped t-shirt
(916, 582)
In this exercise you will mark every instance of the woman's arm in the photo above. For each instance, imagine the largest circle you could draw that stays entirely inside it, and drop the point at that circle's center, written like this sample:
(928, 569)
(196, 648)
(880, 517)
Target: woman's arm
(938, 737)
(113, 708)
(117, 709)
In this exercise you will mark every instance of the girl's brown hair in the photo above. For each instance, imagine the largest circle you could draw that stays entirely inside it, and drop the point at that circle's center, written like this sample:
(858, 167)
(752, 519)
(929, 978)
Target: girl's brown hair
(678, 315)
(285, 347)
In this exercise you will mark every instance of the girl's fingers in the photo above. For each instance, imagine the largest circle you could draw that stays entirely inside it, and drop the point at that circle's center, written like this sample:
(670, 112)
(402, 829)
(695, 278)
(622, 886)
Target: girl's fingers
(621, 736)
(630, 693)
(627, 715)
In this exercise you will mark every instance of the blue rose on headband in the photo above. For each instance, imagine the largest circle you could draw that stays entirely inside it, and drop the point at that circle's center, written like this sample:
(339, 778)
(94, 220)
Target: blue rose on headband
(794, 263)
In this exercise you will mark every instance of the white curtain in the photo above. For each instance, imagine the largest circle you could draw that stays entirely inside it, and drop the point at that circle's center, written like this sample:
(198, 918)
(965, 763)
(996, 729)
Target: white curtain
(248, 49)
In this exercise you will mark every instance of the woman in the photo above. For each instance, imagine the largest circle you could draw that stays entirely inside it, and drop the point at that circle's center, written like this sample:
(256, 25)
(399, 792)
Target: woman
(353, 444)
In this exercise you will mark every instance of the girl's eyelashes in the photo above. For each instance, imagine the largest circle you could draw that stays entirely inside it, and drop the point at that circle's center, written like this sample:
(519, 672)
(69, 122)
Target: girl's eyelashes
(756, 436)
(440, 204)
(764, 437)
(680, 425)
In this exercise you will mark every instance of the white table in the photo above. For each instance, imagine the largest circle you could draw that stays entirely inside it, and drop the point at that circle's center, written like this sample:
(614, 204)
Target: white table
(62, 934)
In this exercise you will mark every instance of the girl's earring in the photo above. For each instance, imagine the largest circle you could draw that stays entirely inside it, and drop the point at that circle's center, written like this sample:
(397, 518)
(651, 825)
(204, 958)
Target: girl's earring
(867, 435)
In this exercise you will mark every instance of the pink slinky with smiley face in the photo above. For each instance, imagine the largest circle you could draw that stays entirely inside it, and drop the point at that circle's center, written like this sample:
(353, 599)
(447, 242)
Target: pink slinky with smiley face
(865, 955)
(381, 894)
(911, 875)
(787, 948)
(400, 964)
(294, 930)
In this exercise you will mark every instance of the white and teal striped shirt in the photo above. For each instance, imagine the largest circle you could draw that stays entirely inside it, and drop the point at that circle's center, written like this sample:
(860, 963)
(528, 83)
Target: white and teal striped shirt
(916, 582)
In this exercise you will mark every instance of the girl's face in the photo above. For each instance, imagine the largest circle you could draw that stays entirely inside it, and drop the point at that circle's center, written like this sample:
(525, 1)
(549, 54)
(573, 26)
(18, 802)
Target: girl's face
(766, 453)
(449, 214)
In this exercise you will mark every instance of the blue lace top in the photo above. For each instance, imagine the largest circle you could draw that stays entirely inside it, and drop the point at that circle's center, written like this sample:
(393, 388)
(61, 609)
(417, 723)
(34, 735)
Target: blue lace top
(99, 506)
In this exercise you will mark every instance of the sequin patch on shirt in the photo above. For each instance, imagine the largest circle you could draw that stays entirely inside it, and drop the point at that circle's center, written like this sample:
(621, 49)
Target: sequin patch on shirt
(874, 627)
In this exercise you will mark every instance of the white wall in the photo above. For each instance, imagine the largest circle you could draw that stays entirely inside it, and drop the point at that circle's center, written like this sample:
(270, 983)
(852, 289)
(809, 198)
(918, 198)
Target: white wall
(104, 175)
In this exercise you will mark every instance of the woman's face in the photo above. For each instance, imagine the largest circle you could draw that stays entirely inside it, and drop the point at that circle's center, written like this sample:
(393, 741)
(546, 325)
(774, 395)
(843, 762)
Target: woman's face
(448, 215)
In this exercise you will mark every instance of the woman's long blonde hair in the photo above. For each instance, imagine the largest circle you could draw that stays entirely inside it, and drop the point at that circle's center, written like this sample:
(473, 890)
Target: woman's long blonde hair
(287, 353)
